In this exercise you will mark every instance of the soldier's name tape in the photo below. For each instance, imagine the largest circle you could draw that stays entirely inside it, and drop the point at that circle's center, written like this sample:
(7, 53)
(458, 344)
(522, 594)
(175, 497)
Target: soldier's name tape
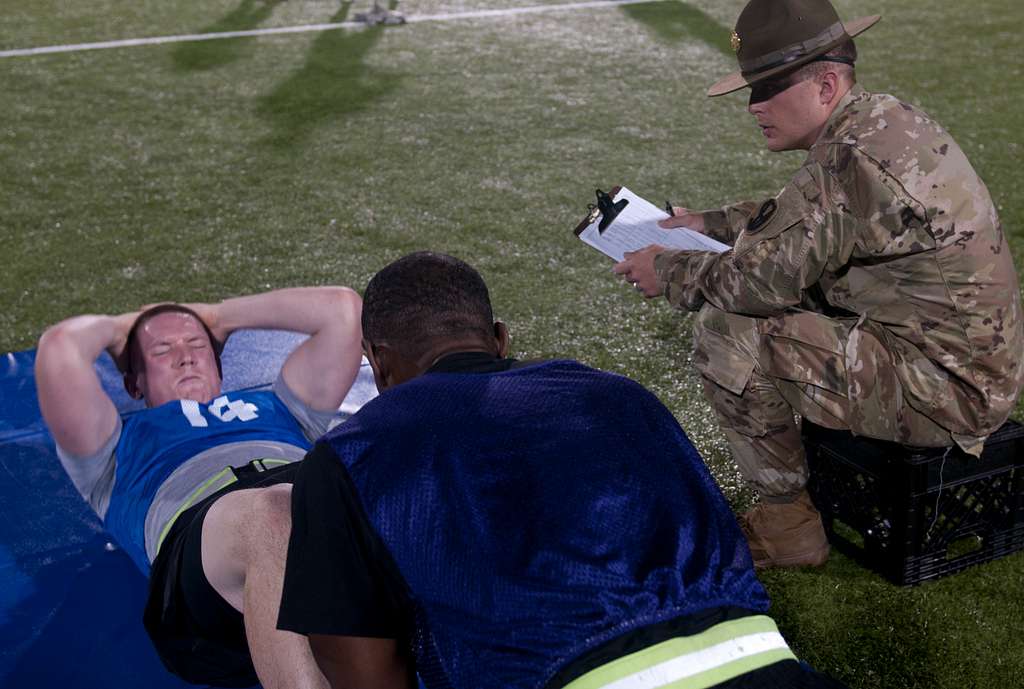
(307, 28)
(703, 660)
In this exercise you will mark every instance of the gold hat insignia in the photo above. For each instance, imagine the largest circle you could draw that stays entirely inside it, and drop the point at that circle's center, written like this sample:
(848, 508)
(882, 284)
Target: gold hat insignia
(734, 41)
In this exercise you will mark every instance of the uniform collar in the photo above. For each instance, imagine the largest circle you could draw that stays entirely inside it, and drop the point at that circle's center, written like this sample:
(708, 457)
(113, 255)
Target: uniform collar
(470, 362)
(855, 94)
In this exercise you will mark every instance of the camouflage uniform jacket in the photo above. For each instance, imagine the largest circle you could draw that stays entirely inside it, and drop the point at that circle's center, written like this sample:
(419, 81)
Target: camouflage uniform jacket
(887, 224)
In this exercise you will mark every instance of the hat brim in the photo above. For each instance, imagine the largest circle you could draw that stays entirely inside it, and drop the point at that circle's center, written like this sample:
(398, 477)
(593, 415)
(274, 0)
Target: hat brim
(736, 80)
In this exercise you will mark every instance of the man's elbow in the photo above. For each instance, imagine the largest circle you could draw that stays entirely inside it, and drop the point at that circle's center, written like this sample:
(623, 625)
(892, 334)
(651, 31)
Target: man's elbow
(349, 300)
(55, 342)
(52, 335)
(346, 307)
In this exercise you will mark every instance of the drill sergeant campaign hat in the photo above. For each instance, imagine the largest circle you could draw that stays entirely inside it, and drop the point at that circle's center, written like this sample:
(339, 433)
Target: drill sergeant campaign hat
(775, 36)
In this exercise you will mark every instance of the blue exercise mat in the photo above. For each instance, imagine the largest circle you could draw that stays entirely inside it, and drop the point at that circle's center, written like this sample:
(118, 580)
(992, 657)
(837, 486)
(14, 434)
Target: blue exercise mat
(70, 600)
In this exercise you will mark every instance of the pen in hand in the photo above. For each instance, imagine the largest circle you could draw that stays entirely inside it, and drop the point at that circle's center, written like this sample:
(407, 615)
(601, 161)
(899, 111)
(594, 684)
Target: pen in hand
(668, 209)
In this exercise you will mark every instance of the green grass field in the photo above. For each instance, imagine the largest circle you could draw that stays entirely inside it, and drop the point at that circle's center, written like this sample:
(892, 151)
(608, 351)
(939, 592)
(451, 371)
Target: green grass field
(194, 171)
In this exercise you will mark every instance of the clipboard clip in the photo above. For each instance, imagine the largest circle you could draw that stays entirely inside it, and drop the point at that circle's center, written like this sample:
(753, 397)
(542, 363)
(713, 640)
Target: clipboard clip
(606, 208)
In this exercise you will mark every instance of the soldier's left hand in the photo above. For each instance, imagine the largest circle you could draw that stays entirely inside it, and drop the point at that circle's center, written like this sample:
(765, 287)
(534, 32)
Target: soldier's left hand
(638, 269)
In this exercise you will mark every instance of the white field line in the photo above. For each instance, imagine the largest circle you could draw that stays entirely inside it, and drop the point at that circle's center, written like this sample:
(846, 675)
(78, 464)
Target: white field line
(414, 19)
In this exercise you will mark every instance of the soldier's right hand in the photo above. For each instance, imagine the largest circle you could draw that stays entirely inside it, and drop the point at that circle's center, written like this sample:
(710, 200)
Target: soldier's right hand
(683, 217)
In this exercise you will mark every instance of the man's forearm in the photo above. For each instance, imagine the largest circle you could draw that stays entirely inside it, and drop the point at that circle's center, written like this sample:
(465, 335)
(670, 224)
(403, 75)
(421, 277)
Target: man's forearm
(749, 282)
(298, 309)
(680, 291)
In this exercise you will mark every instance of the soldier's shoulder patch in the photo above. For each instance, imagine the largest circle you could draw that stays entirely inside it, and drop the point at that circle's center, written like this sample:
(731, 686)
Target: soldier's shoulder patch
(764, 214)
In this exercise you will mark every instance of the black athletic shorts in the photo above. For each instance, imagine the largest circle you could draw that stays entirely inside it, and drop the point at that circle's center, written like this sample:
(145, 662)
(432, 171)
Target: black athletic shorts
(197, 634)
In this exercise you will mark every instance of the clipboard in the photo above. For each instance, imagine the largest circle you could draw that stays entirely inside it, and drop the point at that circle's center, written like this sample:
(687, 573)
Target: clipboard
(633, 225)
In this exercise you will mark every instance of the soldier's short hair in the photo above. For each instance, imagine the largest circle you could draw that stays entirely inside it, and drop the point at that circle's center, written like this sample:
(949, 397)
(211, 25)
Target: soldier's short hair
(833, 59)
(424, 298)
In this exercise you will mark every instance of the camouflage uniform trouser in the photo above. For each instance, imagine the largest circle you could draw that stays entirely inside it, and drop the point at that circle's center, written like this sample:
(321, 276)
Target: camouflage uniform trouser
(760, 372)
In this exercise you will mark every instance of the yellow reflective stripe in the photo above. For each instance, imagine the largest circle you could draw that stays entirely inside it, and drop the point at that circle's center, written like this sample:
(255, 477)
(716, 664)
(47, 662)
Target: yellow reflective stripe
(272, 462)
(204, 488)
(718, 654)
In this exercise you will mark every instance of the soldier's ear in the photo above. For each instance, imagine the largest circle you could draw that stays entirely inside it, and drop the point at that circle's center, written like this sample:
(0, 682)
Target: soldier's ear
(828, 87)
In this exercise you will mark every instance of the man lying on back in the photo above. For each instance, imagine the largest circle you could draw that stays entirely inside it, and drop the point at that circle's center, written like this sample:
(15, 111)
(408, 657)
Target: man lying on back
(196, 487)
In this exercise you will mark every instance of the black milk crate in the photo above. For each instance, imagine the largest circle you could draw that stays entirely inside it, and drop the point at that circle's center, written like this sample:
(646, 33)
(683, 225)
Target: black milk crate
(915, 514)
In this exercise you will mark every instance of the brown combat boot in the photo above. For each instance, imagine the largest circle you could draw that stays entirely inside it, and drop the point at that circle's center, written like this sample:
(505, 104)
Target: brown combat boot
(785, 534)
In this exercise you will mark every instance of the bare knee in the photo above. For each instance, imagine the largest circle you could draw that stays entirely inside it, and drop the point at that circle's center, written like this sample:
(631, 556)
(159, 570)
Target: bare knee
(242, 520)
(270, 512)
(243, 530)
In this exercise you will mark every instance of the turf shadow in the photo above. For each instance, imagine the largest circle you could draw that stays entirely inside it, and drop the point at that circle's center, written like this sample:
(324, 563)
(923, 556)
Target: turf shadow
(672, 21)
(334, 82)
(204, 55)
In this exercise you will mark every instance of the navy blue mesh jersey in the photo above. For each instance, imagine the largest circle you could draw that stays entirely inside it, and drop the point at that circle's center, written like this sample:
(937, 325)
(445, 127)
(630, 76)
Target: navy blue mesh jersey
(532, 515)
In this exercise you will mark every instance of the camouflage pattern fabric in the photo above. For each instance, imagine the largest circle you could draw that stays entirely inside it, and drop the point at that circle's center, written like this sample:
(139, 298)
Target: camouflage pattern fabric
(875, 292)
(759, 372)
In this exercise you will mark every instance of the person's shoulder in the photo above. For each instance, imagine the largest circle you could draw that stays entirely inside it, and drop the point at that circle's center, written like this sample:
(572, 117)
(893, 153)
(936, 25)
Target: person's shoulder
(570, 368)
(883, 127)
(866, 110)
(576, 373)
